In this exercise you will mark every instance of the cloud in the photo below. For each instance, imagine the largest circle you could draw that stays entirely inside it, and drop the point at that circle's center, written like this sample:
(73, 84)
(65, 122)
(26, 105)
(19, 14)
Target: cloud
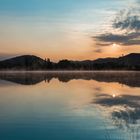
(98, 50)
(123, 39)
(127, 20)
(126, 26)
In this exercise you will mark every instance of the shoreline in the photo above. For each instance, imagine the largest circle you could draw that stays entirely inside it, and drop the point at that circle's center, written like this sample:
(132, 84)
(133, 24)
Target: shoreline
(67, 71)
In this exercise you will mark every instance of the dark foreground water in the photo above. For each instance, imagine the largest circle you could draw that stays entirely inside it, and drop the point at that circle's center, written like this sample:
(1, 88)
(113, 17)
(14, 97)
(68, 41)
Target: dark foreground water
(70, 106)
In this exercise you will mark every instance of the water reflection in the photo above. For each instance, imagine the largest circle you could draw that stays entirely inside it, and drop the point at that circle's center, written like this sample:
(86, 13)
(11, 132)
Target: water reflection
(31, 78)
(70, 105)
(124, 111)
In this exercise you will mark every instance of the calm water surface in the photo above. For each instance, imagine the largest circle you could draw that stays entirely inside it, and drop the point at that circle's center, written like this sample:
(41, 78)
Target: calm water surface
(70, 106)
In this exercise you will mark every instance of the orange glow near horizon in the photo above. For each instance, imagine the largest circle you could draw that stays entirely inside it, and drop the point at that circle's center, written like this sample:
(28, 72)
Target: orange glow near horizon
(81, 49)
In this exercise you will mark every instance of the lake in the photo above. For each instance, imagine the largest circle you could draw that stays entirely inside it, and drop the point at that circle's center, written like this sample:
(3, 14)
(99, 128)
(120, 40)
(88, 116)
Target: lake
(70, 105)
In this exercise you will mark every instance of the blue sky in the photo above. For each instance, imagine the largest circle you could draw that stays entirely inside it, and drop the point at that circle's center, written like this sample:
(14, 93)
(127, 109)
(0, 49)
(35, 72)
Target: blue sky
(49, 27)
(54, 5)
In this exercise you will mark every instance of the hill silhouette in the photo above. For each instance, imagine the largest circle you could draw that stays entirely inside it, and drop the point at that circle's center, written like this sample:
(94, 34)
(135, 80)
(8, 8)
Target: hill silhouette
(31, 62)
(25, 62)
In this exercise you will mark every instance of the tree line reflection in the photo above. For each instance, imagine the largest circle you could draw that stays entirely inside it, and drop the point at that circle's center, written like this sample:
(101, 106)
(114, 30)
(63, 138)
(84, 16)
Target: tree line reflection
(131, 79)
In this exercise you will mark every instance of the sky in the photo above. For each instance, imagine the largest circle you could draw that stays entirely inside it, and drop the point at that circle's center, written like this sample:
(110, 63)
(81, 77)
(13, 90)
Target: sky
(69, 29)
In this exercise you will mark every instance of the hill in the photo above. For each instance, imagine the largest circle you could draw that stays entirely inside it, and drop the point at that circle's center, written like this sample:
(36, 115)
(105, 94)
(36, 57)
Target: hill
(31, 62)
(25, 62)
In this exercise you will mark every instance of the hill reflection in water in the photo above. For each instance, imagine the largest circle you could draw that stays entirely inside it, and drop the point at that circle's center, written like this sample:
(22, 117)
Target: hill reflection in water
(30, 78)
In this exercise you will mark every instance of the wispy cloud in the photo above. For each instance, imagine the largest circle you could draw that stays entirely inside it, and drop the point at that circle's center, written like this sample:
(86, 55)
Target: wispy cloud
(125, 29)
(127, 20)
(98, 50)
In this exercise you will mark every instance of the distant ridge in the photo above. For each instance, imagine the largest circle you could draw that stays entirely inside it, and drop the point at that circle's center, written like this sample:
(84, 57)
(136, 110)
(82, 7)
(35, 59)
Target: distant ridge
(31, 62)
(130, 59)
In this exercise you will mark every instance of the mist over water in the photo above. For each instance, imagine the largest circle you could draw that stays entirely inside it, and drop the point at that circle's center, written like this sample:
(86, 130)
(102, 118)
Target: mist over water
(70, 105)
